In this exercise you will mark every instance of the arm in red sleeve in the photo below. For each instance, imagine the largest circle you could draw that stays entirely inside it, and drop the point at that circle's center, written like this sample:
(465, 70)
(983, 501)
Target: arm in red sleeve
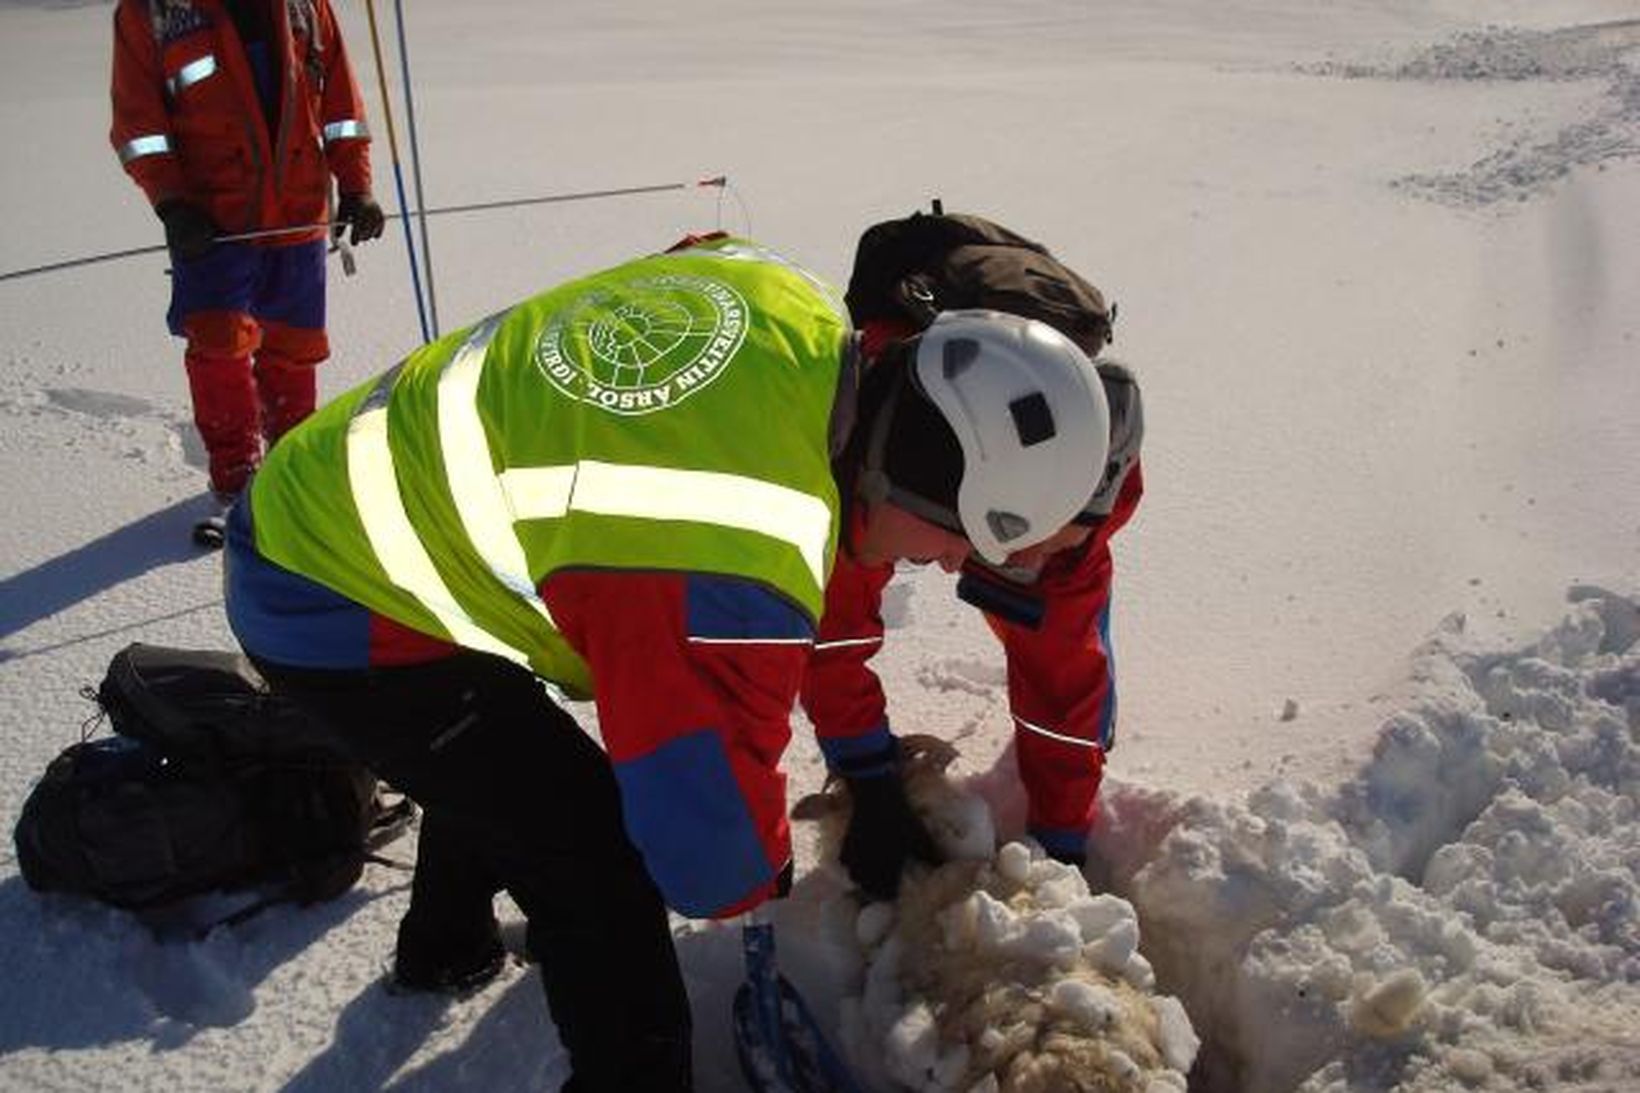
(1062, 685)
(841, 694)
(141, 131)
(694, 678)
(348, 155)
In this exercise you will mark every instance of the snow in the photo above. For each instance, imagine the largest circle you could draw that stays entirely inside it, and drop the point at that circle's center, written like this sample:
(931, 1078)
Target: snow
(1464, 910)
(1374, 801)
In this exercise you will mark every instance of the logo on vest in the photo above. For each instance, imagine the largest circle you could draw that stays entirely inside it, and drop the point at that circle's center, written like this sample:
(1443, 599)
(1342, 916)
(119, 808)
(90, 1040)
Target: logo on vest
(644, 346)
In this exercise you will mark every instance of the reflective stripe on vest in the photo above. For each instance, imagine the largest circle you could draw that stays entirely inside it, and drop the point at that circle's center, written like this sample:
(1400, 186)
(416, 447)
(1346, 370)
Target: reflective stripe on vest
(478, 494)
(151, 145)
(392, 536)
(666, 493)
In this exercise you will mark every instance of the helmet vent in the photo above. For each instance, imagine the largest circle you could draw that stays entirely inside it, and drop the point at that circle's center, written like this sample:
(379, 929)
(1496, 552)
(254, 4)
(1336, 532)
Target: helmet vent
(1033, 419)
(1007, 526)
(960, 355)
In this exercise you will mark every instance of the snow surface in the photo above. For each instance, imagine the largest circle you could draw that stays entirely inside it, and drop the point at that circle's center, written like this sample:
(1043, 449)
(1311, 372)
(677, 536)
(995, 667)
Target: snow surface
(1375, 796)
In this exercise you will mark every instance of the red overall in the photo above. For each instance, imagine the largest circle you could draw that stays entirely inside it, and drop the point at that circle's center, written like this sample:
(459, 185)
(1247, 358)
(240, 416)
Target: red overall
(1061, 681)
(251, 131)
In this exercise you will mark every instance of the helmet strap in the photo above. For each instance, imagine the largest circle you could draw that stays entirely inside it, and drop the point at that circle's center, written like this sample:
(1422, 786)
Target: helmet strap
(845, 405)
(873, 485)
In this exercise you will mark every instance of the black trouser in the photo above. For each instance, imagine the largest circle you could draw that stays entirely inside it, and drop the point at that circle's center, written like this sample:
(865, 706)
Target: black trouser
(515, 796)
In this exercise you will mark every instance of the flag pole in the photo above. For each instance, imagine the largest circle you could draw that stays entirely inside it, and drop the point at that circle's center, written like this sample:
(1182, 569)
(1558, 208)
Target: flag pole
(398, 172)
(415, 164)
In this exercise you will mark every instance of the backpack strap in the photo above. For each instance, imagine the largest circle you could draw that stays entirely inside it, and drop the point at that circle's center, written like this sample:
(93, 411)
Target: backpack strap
(1127, 432)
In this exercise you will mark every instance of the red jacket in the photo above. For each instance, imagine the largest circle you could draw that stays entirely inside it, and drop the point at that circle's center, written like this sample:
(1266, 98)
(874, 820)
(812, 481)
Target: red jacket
(188, 122)
(696, 677)
(1061, 684)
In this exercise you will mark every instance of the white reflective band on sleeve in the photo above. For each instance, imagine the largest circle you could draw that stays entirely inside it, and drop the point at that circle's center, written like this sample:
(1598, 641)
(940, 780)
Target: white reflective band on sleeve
(392, 536)
(665, 493)
(345, 130)
(844, 643)
(190, 74)
(748, 641)
(485, 513)
(1059, 736)
(137, 147)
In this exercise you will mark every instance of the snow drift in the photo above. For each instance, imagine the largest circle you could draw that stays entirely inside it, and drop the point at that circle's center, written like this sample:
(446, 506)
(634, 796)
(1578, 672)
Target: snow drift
(1465, 912)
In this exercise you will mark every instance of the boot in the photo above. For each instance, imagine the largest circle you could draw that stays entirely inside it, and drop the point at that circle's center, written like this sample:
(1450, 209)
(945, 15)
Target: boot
(441, 963)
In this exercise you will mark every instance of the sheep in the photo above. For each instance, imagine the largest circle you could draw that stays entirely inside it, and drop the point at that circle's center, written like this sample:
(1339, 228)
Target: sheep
(998, 971)
(959, 822)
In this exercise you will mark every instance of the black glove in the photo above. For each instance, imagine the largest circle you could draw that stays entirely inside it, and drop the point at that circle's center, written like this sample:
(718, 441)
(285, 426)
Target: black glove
(365, 216)
(883, 834)
(1077, 859)
(189, 231)
(783, 882)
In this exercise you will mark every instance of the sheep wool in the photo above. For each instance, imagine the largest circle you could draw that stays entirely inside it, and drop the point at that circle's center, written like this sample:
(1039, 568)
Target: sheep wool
(1001, 972)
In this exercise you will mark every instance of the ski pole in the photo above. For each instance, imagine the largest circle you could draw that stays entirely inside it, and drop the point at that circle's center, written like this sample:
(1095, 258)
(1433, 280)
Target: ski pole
(398, 173)
(719, 181)
(415, 163)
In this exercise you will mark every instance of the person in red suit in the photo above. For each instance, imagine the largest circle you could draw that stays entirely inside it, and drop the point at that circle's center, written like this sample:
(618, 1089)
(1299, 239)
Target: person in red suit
(1049, 608)
(233, 116)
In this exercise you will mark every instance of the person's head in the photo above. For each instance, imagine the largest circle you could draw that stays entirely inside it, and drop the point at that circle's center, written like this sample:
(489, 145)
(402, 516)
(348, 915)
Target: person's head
(987, 433)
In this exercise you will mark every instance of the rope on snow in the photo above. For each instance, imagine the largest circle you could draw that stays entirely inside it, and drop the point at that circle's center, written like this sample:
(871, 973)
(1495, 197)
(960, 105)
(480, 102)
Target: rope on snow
(719, 181)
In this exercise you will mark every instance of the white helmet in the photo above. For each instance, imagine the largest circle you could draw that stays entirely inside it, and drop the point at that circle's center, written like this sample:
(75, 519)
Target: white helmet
(1028, 410)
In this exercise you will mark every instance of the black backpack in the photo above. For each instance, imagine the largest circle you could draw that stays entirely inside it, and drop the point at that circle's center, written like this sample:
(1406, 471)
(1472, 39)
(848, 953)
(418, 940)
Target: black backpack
(913, 268)
(210, 783)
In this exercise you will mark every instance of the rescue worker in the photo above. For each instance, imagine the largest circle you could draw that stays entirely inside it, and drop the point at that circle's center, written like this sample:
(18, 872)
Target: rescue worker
(233, 116)
(634, 487)
(1049, 607)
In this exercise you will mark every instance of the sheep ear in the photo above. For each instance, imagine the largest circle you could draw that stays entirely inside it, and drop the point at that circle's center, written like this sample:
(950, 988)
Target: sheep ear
(817, 806)
(924, 750)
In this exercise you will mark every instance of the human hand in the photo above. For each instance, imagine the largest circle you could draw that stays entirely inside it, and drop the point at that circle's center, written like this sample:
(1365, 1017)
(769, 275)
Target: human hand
(364, 215)
(189, 230)
(883, 835)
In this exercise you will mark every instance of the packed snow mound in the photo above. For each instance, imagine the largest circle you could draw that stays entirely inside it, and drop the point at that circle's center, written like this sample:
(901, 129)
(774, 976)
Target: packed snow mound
(1464, 913)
